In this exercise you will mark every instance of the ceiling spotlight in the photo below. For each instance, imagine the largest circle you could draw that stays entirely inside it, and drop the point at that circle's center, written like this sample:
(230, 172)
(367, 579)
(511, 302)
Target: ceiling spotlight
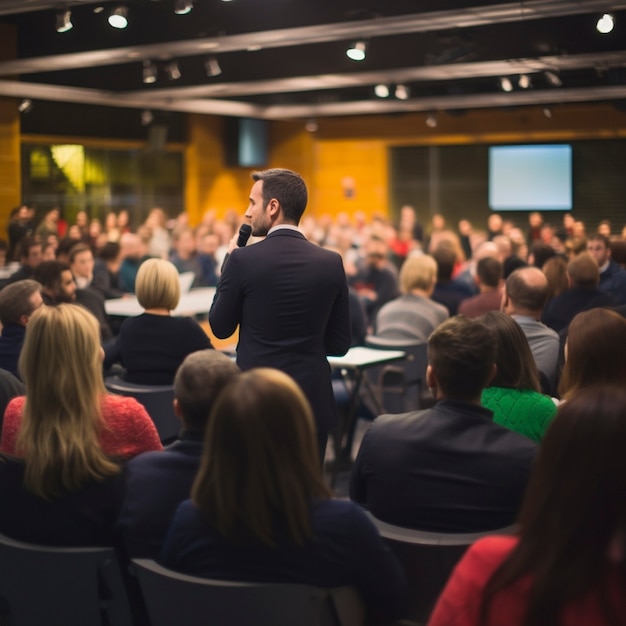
(119, 17)
(506, 84)
(182, 7)
(431, 120)
(64, 21)
(605, 24)
(149, 72)
(553, 78)
(146, 118)
(172, 70)
(25, 106)
(381, 91)
(212, 67)
(523, 81)
(547, 112)
(402, 92)
(357, 51)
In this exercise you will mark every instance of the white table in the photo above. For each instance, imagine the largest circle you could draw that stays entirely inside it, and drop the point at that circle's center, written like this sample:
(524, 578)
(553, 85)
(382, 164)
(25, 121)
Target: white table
(194, 302)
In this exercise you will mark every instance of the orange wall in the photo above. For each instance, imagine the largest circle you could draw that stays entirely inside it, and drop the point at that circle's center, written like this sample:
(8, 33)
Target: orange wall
(10, 173)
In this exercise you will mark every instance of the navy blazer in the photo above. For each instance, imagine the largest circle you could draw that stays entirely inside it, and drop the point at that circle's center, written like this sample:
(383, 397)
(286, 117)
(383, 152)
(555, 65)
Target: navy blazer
(290, 298)
(446, 469)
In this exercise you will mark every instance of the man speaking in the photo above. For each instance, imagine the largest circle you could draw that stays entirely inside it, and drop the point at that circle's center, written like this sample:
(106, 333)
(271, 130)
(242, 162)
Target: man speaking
(289, 296)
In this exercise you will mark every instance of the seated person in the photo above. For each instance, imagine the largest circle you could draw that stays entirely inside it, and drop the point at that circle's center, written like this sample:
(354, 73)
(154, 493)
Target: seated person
(10, 387)
(489, 298)
(17, 303)
(514, 395)
(413, 316)
(151, 346)
(449, 468)
(66, 487)
(572, 520)
(157, 482)
(66, 360)
(106, 271)
(260, 510)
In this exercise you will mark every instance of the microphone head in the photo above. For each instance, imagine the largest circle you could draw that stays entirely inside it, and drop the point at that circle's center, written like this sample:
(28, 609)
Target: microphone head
(244, 234)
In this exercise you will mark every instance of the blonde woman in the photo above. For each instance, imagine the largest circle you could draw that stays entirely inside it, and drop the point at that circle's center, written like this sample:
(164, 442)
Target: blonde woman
(260, 510)
(61, 364)
(64, 486)
(151, 346)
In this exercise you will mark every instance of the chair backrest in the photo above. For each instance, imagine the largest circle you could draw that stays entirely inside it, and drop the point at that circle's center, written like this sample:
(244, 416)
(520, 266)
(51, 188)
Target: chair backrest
(403, 384)
(61, 586)
(157, 400)
(173, 598)
(428, 559)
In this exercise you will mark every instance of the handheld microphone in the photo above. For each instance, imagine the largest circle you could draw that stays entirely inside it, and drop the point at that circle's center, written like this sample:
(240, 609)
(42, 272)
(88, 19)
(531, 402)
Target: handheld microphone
(244, 234)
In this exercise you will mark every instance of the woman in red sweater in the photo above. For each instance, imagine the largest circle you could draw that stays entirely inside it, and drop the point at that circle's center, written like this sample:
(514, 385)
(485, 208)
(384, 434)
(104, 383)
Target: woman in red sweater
(568, 565)
(61, 366)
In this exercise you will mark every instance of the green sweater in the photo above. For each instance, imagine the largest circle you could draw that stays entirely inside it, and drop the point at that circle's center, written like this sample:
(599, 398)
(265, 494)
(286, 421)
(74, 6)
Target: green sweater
(526, 412)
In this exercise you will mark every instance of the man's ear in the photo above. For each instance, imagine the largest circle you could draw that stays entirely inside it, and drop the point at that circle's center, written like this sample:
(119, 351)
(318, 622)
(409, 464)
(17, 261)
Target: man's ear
(177, 410)
(505, 301)
(431, 378)
(273, 206)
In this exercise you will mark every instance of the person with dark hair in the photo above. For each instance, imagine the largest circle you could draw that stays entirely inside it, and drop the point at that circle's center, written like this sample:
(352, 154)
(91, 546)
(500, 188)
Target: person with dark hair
(18, 301)
(489, 280)
(583, 294)
(525, 293)
(594, 352)
(567, 563)
(260, 509)
(514, 395)
(30, 254)
(288, 296)
(539, 253)
(20, 226)
(449, 468)
(612, 276)
(57, 282)
(106, 270)
(448, 292)
(156, 482)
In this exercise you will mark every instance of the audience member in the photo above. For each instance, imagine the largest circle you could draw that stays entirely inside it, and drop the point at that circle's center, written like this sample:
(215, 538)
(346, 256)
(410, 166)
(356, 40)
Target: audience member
(185, 257)
(413, 315)
(151, 346)
(18, 301)
(10, 387)
(66, 488)
(157, 482)
(57, 282)
(489, 280)
(514, 395)
(449, 468)
(555, 269)
(448, 292)
(134, 253)
(612, 276)
(594, 352)
(375, 282)
(539, 253)
(20, 226)
(30, 257)
(525, 294)
(159, 241)
(260, 510)
(62, 366)
(49, 225)
(106, 271)
(582, 295)
(566, 565)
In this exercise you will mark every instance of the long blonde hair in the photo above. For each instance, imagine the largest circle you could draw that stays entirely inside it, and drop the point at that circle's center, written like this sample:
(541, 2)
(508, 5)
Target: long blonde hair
(61, 366)
(260, 463)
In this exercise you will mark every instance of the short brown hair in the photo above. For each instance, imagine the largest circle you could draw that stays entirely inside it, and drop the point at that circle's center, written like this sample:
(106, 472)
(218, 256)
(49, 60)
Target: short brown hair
(202, 375)
(462, 353)
(583, 270)
(489, 271)
(77, 249)
(287, 187)
(15, 300)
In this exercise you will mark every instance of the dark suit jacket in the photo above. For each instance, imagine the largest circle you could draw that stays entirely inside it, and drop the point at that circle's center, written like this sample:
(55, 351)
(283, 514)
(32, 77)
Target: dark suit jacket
(446, 469)
(11, 343)
(156, 483)
(560, 310)
(290, 298)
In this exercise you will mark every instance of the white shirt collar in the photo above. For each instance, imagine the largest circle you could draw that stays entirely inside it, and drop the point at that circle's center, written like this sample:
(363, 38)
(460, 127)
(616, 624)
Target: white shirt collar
(286, 226)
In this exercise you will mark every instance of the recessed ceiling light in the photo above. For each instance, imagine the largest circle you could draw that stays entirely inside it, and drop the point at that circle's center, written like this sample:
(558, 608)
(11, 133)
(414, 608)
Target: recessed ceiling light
(357, 51)
(524, 81)
(605, 24)
(119, 17)
(182, 7)
(506, 84)
(64, 21)
(402, 92)
(381, 91)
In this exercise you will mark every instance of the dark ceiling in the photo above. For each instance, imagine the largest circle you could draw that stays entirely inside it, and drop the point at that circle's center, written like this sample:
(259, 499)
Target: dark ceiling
(285, 59)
